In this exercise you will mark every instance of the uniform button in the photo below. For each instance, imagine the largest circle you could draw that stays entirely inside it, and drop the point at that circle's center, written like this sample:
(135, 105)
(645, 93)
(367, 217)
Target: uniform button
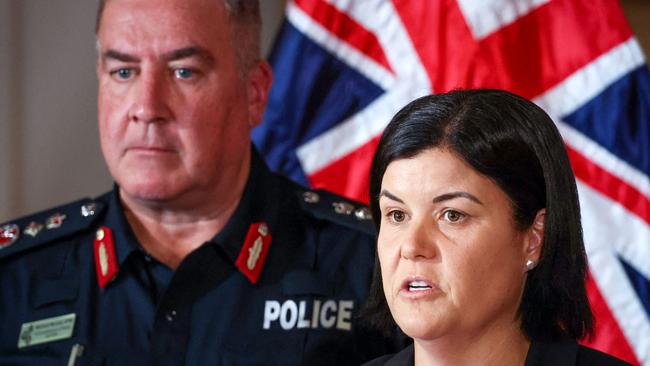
(147, 258)
(311, 197)
(170, 316)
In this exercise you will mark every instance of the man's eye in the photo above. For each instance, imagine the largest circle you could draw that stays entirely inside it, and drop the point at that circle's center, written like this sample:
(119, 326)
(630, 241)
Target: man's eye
(183, 73)
(123, 74)
(453, 216)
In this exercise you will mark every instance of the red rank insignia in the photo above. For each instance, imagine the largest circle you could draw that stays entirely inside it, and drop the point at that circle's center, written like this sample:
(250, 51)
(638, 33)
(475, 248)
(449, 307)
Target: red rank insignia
(105, 259)
(253, 252)
(8, 235)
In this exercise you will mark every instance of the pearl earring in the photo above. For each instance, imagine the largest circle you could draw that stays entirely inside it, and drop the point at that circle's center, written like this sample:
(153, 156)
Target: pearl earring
(530, 264)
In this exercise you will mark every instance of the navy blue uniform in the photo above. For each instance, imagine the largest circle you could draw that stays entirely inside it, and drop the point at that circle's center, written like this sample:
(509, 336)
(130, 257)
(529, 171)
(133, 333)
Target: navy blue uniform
(301, 310)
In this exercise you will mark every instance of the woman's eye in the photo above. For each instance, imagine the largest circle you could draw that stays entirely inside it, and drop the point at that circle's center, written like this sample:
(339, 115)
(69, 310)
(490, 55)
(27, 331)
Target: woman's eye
(397, 216)
(453, 216)
(183, 73)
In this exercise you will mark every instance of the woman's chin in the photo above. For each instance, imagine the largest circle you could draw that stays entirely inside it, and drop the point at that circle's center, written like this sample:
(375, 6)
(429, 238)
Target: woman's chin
(421, 327)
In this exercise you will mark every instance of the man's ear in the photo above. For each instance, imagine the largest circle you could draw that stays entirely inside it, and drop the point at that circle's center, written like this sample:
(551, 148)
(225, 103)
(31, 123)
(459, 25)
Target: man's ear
(98, 67)
(535, 238)
(260, 77)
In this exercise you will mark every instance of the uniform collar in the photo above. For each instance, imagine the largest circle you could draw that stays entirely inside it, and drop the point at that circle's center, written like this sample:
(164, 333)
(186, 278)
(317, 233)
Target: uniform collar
(124, 238)
(258, 203)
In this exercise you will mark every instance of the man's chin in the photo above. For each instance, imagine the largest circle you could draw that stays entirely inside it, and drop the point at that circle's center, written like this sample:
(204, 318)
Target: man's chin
(152, 194)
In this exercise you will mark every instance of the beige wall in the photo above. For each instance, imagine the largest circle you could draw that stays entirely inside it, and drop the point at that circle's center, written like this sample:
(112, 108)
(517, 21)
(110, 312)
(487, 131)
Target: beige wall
(52, 155)
(5, 110)
(48, 135)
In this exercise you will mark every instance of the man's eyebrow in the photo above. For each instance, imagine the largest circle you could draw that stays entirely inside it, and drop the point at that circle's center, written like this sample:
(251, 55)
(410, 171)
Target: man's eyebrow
(188, 52)
(174, 55)
(119, 56)
(453, 195)
(387, 194)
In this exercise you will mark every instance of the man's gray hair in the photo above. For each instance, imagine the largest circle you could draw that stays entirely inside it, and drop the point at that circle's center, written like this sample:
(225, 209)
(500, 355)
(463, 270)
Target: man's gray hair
(246, 21)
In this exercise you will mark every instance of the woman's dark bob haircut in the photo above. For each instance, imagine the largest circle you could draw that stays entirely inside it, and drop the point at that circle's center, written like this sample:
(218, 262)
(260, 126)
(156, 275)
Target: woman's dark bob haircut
(514, 143)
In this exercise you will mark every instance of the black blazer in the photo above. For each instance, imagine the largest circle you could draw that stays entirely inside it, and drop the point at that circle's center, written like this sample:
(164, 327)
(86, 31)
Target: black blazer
(563, 353)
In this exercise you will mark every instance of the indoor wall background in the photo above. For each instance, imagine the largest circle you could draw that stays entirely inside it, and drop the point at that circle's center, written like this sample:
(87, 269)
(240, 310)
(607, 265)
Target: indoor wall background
(49, 151)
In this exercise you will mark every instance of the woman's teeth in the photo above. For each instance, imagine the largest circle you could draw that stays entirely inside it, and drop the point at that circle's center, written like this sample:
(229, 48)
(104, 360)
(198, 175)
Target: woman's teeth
(418, 286)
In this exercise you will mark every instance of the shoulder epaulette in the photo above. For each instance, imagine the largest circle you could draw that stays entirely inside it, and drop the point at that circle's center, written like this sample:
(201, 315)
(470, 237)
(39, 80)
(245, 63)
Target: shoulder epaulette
(47, 226)
(328, 206)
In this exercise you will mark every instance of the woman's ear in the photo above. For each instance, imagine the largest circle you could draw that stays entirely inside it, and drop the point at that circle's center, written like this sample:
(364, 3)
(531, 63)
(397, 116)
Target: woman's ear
(534, 240)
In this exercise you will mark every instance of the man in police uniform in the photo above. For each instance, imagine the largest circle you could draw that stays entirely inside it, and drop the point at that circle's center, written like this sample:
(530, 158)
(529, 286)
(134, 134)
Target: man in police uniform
(199, 255)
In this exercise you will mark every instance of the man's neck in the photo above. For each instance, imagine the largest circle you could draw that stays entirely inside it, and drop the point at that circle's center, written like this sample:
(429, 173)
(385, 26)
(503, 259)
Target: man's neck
(169, 240)
(169, 233)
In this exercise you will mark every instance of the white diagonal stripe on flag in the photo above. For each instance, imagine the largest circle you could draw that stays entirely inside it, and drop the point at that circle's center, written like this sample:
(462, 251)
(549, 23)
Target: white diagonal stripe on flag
(631, 244)
(355, 131)
(354, 58)
(387, 25)
(610, 275)
(487, 16)
(581, 87)
(586, 83)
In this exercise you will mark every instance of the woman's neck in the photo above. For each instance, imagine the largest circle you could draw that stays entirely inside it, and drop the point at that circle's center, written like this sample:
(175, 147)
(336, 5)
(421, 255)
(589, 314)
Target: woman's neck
(506, 346)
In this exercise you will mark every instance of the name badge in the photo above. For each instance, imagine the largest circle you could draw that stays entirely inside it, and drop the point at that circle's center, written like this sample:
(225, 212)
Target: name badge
(46, 330)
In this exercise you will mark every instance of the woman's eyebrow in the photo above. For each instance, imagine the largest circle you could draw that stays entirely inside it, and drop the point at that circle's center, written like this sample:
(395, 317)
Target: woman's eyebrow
(453, 195)
(389, 195)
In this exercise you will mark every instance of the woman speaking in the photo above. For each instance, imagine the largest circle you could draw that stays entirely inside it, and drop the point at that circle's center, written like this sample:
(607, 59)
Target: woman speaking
(480, 244)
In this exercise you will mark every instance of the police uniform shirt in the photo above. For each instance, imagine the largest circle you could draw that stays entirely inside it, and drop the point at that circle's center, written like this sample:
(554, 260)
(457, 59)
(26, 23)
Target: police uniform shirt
(300, 309)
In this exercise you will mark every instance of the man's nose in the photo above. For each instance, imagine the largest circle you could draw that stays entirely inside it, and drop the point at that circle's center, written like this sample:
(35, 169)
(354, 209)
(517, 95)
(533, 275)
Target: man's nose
(149, 98)
(419, 241)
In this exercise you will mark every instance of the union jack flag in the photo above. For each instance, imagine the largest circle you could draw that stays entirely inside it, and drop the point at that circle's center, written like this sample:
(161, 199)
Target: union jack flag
(344, 67)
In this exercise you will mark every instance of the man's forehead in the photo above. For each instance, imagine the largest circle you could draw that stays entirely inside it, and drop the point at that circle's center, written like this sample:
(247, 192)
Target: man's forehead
(158, 27)
(175, 13)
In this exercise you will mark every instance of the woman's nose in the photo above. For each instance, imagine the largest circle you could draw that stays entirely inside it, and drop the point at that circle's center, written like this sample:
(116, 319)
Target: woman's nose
(419, 241)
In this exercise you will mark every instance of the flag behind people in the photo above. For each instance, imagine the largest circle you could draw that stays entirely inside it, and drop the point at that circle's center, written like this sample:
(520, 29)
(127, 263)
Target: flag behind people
(344, 67)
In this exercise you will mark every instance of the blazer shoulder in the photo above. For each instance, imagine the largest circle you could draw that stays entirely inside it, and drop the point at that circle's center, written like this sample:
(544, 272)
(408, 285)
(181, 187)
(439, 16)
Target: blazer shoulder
(32, 231)
(327, 206)
(591, 357)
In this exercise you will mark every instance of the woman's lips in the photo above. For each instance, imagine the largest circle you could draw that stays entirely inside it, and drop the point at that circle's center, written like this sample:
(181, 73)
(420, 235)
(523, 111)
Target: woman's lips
(417, 287)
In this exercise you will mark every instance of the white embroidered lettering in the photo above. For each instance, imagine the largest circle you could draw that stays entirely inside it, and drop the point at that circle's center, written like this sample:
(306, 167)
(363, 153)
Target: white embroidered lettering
(327, 319)
(315, 314)
(271, 313)
(302, 322)
(289, 315)
(344, 315)
(292, 314)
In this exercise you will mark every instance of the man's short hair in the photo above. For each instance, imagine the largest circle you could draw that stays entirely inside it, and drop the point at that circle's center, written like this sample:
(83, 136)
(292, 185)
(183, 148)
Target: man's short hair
(245, 18)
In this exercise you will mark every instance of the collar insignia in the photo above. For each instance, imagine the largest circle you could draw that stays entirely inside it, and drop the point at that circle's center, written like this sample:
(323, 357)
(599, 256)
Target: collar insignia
(105, 258)
(8, 235)
(253, 252)
(33, 229)
(55, 221)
